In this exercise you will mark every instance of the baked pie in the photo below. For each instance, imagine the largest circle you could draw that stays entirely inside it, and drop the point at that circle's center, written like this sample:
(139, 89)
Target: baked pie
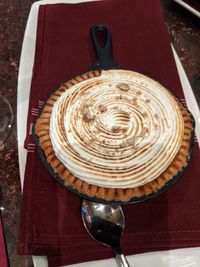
(115, 134)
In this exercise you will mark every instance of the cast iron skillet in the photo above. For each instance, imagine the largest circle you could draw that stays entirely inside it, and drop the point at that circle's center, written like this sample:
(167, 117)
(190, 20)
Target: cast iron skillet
(104, 61)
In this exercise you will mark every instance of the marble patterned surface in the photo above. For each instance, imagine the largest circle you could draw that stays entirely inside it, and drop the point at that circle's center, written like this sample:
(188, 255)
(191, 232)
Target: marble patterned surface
(184, 32)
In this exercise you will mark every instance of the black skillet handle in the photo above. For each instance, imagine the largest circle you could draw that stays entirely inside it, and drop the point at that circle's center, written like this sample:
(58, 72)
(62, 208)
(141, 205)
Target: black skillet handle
(103, 52)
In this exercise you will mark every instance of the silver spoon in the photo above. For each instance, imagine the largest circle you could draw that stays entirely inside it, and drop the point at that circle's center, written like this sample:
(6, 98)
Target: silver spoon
(105, 223)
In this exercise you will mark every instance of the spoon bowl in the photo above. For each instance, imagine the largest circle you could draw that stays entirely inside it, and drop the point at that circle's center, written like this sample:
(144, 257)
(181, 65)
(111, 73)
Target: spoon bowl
(105, 223)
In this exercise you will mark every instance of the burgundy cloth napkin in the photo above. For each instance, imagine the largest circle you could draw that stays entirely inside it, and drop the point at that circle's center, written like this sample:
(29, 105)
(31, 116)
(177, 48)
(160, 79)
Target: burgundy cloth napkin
(3, 254)
(50, 216)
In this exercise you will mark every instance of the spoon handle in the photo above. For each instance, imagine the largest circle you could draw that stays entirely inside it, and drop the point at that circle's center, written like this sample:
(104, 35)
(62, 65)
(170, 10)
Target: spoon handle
(120, 258)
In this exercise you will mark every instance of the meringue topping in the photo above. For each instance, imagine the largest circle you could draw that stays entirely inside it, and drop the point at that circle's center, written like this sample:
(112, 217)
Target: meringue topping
(118, 130)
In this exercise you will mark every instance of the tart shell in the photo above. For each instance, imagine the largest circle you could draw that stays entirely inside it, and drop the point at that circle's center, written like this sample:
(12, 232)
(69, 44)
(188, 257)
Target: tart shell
(102, 194)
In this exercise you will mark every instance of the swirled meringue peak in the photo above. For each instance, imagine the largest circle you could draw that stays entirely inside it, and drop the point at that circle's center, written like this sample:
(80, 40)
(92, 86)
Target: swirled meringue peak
(118, 130)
